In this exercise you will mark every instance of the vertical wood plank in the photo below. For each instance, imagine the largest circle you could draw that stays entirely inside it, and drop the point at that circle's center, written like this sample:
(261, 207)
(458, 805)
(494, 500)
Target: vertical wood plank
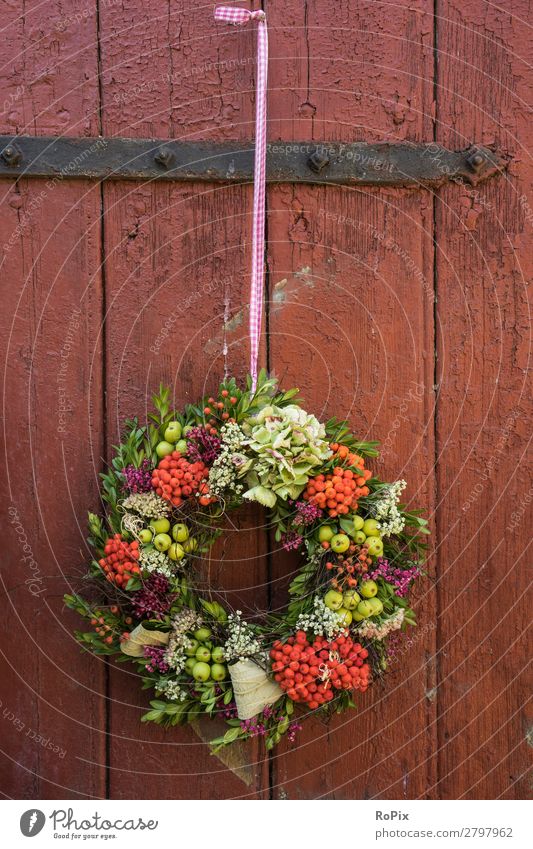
(176, 281)
(484, 263)
(351, 319)
(52, 709)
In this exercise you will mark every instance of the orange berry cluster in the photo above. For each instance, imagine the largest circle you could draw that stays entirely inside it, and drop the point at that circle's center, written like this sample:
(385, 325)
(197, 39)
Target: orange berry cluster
(219, 410)
(310, 672)
(105, 629)
(175, 479)
(121, 560)
(339, 490)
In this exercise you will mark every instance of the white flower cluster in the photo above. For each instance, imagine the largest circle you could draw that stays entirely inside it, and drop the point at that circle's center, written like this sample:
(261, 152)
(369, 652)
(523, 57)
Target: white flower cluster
(171, 689)
(149, 505)
(321, 621)
(185, 620)
(375, 631)
(241, 642)
(157, 561)
(224, 472)
(386, 510)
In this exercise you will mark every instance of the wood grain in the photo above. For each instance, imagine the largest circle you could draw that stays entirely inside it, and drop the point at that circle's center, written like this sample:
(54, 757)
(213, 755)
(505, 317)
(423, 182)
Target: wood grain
(351, 297)
(484, 472)
(52, 696)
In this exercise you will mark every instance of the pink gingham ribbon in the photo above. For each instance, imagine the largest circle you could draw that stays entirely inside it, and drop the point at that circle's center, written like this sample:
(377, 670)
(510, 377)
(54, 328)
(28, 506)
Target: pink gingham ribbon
(242, 16)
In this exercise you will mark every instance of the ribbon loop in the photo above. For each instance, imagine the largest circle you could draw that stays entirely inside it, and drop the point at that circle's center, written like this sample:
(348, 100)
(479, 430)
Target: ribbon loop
(237, 16)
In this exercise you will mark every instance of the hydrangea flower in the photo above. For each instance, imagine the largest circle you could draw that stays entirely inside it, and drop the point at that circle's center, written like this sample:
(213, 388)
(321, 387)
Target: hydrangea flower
(288, 445)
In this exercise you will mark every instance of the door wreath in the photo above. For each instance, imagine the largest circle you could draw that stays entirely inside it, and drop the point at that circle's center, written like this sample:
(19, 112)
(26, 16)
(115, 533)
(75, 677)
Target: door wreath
(170, 487)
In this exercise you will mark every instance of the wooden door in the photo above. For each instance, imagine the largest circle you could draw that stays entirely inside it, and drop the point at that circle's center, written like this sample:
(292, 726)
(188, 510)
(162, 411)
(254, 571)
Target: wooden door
(403, 309)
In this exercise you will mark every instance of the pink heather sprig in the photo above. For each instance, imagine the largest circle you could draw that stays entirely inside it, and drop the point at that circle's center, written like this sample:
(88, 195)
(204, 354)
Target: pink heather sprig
(306, 513)
(291, 540)
(154, 599)
(400, 579)
(156, 656)
(202, 446)
(139, 480)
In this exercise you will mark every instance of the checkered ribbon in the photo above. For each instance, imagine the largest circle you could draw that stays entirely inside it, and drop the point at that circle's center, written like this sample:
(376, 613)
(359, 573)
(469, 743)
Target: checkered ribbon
(237, 16)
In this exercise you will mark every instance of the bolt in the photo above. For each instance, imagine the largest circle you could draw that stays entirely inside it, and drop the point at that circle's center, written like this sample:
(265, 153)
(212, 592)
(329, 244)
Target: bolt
(476, 160)
(11, 155)
(164, 157)
(317, 161)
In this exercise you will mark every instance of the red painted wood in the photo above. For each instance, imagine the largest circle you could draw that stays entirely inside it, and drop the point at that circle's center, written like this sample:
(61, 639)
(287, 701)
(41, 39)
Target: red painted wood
(351, 297)
(52, 696)
(484, 474)
(176, 280)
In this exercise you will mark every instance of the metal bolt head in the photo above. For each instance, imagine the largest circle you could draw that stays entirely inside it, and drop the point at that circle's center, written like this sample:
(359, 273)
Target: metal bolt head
(164, 157)
(476, 160)
(318, 160)
(11, 155)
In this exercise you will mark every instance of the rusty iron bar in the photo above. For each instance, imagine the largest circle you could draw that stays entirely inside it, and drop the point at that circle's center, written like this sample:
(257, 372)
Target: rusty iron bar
(358, 163)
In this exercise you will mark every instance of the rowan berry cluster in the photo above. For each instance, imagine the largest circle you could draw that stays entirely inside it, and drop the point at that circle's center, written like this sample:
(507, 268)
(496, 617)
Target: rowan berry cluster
(311, 672)
(338, 491)
(121, 561)
(176, 479)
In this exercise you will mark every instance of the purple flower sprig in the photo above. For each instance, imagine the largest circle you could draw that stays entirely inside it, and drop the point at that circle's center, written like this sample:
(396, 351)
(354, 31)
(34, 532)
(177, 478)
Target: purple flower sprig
(400, 579)
(202, 447)
(139, 480)
(306, 513)
(291, 540)
(153, 600)
(156, 656)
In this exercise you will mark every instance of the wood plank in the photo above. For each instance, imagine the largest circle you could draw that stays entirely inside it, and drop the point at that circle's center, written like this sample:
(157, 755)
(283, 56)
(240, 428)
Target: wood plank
(54, 741)
(484, 263)
(177, 263)
(351, 298)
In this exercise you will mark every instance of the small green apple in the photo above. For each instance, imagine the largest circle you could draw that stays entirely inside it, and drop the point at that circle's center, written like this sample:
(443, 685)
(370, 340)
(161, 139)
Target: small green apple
(202, 634)
(217, 655)
(190, 663)
(371, 528)
(340, 543)
(203, 654)
(345, 617)
(326, 533)
(176, 551)
(333, 600)
(358, 523)
(201, 671)
(357, 617)
(350, 599)
(368, 589)
(160, 526)
(191, 649)
(162, 449)
(364, 609)
(145, 535)
(377, 606)
(218, 672)
(191, 545)
(375, 546)
(359, 537)
(187, 429)
(173, 432)
(181, 446)
(162, 542)
(180, 532)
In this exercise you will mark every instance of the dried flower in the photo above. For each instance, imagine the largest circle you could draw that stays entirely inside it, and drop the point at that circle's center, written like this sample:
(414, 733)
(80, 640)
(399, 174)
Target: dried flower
(380, 630)
(152, 560)
(400, 579)
(305, 513)
(385, 509)
(148, 505)
(291, 540)
(202, 446)
(230, 464)
(184, 621)
(171, 689)
(241, 641)
(156, 656)
(154, 599)
(322, 621)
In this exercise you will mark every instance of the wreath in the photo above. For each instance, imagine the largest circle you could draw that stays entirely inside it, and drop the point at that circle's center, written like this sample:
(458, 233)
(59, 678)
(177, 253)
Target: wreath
(167, 494)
